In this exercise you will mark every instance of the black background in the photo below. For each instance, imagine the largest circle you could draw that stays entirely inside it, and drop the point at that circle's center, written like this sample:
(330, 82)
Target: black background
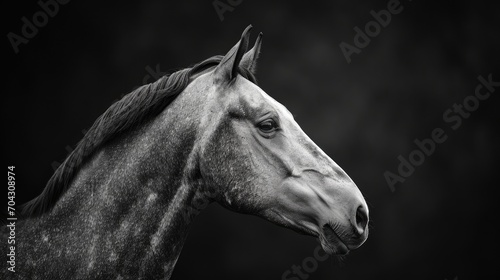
(439, 224)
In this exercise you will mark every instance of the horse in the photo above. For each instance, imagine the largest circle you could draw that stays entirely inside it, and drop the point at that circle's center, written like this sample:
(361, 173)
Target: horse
(120, 205)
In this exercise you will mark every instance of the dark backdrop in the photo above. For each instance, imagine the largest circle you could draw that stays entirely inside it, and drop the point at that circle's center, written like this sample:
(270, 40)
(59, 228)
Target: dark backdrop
(440, 223)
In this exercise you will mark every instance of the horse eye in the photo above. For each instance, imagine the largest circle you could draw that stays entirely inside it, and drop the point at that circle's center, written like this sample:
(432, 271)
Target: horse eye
(268, 125)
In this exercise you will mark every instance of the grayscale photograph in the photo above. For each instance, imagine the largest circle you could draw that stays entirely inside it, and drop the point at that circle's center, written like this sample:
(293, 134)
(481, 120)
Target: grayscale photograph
(238, 139)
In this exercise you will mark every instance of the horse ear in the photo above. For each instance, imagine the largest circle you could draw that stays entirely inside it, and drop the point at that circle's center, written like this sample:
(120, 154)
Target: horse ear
(249, 60)
(227, 69)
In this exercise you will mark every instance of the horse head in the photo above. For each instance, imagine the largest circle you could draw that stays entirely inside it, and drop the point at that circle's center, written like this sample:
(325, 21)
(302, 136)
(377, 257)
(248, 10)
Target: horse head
(259, 161)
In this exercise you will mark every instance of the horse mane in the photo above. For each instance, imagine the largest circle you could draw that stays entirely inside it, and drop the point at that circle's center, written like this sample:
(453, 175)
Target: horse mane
(131, 110)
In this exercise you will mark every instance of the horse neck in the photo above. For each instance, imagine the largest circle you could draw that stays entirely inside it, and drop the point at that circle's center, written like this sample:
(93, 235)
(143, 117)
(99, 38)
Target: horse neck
(132, 202)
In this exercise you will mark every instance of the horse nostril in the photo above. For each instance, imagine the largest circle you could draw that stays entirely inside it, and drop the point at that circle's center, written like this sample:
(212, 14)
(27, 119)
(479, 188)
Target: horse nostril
(361, 219)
